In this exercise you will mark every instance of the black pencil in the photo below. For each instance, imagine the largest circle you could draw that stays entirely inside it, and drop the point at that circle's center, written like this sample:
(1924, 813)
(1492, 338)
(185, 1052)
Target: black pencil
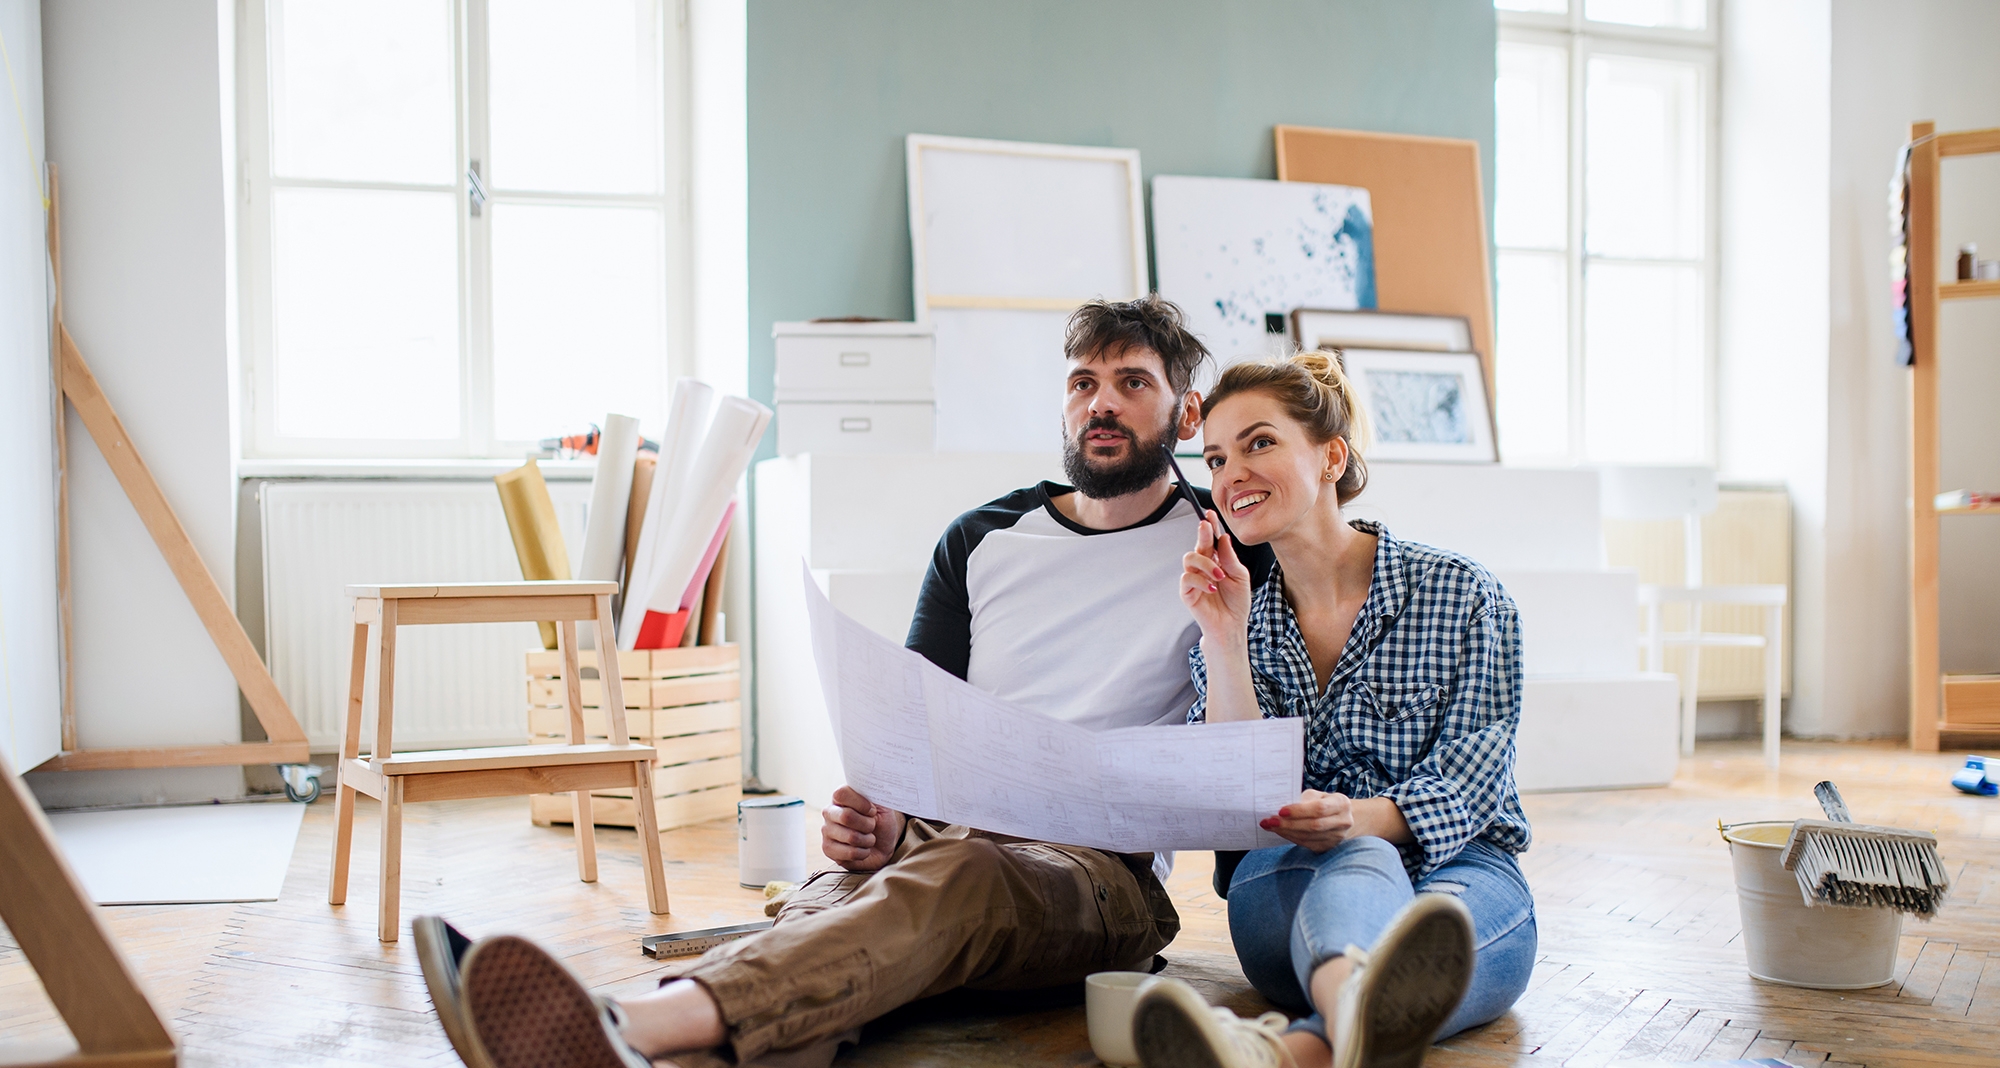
(1186, 490)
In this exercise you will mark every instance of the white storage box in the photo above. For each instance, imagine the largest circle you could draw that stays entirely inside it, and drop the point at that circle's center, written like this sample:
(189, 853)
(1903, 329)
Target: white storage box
(853, 427)
(879, 362)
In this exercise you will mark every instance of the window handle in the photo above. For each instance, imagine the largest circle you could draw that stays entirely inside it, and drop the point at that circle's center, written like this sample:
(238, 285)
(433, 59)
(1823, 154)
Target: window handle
(475, 190)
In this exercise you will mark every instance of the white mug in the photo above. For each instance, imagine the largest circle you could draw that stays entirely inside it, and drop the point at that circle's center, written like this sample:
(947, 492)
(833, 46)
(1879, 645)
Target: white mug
(1108, 999)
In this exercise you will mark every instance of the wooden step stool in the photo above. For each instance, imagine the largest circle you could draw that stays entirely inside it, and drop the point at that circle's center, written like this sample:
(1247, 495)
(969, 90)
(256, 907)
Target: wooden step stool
(575, 768)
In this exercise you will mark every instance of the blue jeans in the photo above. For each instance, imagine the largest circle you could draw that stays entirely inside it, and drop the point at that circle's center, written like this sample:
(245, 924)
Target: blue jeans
(1292, 910)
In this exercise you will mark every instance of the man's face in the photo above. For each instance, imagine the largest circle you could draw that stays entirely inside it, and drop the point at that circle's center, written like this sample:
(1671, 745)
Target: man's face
(1119, 416)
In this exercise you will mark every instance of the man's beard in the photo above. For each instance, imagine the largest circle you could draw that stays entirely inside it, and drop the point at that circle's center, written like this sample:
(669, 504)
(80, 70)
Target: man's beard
(1144, 463)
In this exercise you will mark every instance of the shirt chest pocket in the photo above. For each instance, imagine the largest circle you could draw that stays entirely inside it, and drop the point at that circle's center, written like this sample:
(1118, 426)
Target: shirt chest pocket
(1390, 702)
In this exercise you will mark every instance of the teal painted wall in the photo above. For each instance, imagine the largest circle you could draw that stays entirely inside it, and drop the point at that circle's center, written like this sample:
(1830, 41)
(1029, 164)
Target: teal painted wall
(1194, 85)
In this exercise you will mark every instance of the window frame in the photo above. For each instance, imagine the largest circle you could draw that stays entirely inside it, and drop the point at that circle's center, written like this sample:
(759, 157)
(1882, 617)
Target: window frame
(1580, 39)
(472, 142)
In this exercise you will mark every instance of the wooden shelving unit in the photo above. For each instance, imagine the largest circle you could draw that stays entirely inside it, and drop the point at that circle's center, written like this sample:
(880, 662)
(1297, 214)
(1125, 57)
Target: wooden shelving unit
(1957, 709)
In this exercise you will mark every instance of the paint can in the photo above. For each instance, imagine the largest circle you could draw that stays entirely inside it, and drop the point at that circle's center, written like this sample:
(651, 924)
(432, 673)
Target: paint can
(1789, 942)
(770, 840)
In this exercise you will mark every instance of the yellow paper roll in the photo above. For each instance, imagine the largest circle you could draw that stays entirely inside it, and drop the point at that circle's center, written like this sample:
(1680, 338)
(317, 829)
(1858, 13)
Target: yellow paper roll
(538, 541)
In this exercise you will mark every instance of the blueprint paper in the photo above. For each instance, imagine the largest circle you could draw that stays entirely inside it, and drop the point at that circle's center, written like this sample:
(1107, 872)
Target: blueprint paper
(918, 739)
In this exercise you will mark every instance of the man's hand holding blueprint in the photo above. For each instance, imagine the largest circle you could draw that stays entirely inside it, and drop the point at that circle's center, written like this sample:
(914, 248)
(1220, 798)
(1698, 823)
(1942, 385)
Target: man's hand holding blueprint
(917, 739)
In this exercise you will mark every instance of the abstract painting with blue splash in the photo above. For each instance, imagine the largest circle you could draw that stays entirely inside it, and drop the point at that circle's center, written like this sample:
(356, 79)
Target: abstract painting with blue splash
(1232, 251)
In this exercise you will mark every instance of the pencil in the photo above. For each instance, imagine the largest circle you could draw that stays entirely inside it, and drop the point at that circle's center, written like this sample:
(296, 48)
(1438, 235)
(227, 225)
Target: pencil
(1187, 491)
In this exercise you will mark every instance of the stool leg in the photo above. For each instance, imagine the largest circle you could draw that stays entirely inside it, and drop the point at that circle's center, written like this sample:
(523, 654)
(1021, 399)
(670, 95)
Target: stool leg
(586, 836)
(1774, 681)
(350, 748)
(1691, 676)
(648, 825)
(586, 831)
(392, 858)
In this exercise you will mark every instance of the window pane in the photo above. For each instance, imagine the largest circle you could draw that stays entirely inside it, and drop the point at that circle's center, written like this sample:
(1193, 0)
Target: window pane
(1531, 106)
(1643, 165)
(1677, 14)
(579, 317)
(364, 300)
(575, 95)
(1533, 364)
(1642, 364)
(361, 90)
(1555, 7)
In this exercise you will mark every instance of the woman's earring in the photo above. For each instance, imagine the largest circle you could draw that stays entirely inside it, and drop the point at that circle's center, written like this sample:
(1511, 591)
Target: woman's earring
(1330, 476)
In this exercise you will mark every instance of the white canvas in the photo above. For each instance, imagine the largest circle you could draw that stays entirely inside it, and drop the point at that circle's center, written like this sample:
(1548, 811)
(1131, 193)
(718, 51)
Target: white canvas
(1006, 240)
(1003, 224)
(1000, 390)
(1230, 251)
(181, 855)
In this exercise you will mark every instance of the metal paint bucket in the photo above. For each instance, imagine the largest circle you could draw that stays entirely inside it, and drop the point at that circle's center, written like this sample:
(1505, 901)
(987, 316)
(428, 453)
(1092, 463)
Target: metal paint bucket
(1827, 947)
(770, 840)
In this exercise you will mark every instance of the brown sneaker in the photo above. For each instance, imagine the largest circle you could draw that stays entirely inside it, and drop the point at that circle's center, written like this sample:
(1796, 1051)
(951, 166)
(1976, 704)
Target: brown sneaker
(440, 949)
(1405, 986)
(1172, 1027)
(526, 1010)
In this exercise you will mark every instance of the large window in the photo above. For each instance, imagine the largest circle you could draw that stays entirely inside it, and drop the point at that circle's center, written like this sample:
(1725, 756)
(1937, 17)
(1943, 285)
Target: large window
(1605, 227)
(461, 223)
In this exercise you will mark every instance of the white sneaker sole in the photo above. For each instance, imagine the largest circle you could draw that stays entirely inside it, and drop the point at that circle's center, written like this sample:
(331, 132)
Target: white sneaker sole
(1416, 975)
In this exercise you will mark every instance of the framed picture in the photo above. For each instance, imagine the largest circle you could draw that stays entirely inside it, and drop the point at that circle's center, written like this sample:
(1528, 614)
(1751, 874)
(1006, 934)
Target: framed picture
(1314, 328)
(1423, 405)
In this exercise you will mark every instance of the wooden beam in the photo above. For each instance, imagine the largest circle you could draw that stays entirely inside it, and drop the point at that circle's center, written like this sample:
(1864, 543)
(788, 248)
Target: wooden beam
(196, 581)
(1925, 682)
(67, 648)
(178, 756)
(59, 931)
(1969, 142)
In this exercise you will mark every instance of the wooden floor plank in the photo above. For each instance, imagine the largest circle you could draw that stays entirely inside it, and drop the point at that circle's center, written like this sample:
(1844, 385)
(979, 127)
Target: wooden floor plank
(1640, 940)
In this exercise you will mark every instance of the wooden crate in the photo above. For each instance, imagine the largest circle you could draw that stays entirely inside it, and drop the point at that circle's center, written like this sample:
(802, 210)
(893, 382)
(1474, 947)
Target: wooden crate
(683, 702)
(1972, 701)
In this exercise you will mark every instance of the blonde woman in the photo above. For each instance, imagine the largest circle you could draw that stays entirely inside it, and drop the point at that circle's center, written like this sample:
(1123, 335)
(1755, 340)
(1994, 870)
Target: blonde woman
(1405, 663)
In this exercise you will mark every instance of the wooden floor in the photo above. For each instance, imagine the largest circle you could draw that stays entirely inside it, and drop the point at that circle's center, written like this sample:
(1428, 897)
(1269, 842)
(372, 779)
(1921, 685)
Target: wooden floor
(1641, 955)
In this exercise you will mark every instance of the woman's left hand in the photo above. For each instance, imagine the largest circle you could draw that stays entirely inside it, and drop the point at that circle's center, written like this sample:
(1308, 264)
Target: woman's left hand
(1316, 821)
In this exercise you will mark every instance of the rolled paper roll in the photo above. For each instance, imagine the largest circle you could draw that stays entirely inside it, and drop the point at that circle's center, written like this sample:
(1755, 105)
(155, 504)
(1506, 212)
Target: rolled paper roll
(538, 540)
(688, 415)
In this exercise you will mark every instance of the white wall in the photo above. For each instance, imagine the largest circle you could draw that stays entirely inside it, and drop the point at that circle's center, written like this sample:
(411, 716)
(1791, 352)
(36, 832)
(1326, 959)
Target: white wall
(1894, 64)
(30, 653)
(1772, 374)
(139, 111)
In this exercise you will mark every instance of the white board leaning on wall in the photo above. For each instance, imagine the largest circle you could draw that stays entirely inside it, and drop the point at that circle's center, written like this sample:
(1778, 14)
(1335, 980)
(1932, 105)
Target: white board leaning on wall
(1007, 238)
(1234, 251)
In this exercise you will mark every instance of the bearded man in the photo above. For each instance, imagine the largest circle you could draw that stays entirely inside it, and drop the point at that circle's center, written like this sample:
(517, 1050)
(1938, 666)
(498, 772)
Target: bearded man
(1062, 599)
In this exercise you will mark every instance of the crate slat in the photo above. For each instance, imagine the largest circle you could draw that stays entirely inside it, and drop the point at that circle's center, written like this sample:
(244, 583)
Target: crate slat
(642, 723)
(681, 750)
(678, 811)
(642, 693)
(643, 663)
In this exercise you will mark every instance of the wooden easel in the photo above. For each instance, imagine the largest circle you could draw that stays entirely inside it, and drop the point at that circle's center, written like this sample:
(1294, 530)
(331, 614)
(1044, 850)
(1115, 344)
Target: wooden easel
(74, 381)
(59, 931)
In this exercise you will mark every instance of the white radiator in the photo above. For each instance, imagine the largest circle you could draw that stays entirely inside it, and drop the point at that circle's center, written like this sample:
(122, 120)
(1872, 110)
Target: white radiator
(457, 684)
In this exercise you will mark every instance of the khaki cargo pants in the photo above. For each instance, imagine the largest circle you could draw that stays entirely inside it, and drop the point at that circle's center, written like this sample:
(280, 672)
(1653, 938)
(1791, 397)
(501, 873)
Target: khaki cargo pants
(955, 907)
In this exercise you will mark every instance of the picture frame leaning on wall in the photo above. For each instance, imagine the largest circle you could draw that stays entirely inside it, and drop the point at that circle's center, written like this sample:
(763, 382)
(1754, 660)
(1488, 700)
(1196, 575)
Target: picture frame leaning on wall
(1423, 406)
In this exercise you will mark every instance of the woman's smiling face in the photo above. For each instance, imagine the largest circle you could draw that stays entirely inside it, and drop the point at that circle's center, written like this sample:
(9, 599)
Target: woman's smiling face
(1266, 472)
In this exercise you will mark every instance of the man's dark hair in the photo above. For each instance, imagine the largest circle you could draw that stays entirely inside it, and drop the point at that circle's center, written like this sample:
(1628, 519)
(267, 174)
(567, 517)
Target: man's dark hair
(1107, 328)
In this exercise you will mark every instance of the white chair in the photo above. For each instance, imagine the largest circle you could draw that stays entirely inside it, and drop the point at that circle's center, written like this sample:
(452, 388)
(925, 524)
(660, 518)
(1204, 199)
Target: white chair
(1687, 494)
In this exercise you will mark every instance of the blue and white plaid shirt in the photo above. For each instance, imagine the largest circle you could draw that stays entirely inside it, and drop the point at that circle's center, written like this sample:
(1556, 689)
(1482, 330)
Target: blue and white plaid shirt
(1421, 707)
